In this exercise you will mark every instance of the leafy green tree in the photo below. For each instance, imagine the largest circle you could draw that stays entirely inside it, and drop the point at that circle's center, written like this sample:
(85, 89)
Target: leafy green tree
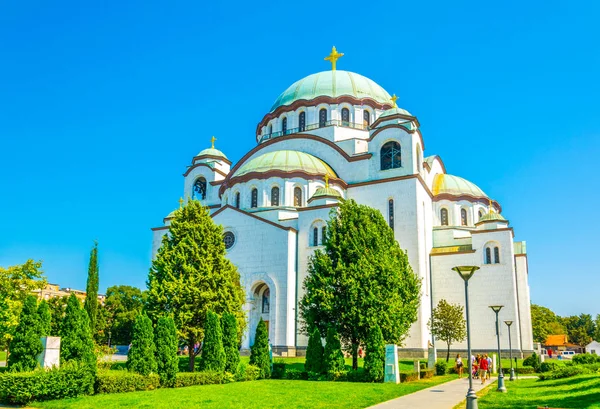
(259, 352)
(57, 307)
(91, 298)
(314, 352)
(362, 278)
(597, 333)
(545, 322)
(102, 325)
(141, 356)
(122, 305)
(166, 350)
(26, 344)
(191, 275)
(333, 357)
(447, 323)
(76, 342)
(580, 328)
(45, 319)
(375, 355)
(213, 354)
(231, 342)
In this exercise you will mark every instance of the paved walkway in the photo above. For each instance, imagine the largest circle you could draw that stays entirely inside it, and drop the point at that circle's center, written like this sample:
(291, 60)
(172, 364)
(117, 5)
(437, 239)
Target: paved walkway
(444, 396)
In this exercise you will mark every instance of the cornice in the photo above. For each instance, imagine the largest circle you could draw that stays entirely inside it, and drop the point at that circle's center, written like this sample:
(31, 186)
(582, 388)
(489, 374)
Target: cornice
(278, 174)
(395, 116)
(221, 158)
(468, 198)
(187, 172)
(253, 216)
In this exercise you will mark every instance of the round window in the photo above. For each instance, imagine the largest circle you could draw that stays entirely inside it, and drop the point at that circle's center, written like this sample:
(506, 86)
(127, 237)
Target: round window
(229, 239)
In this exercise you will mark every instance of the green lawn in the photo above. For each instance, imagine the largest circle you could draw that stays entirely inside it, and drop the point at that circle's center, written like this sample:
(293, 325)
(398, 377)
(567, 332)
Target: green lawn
(582, 392)
(257, 395)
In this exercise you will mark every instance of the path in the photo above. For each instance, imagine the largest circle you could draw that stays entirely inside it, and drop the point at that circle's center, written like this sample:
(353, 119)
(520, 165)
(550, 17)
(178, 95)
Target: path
(444, 396)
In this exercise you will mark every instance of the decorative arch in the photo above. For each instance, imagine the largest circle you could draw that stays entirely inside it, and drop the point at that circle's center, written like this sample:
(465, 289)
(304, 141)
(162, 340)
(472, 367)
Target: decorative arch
(491, 253)
(317, 233)
(464, 220)
(199, 189)
(302, 121)
(254, 197)
(391, 155)
(275, 196)
(284, 125)
(261, 284)
(298, 198)
(323, 117)
(367, 117)
(444, 217)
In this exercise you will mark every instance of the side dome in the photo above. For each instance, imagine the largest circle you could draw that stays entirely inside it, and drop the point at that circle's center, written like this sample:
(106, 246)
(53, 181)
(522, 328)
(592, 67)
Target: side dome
(455, 186)
(326, 192)
(491, 217)
(212, 152)
(286, 161)
(332, 84)
(394, 111)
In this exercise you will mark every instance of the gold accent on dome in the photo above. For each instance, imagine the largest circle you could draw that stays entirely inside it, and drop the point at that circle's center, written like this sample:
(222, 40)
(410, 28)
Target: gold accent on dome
(212, 141)
(333, 57)
(394, 98)
(326, 181)
(491, 207)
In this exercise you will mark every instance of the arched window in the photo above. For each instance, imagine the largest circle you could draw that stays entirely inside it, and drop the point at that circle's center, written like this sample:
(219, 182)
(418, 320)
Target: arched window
(297, 197)
(270, 129)
(345, 117)
(463, 217)
(366, 118)
(323, 234)
(391, 213)
(266, 303)
(480, 214)
(302, 121)
(419, 161)
(254, 198)
(237, 200)
(284, 126)
(275, 196)
(496, 255)
(322, 117)
(316, 236)
(199, 192)
(488, 255)
(391, 157)
(444, 217)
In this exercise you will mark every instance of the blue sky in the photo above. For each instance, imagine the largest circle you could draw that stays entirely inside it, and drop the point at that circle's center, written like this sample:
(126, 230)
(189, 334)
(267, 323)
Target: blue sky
(103, 104)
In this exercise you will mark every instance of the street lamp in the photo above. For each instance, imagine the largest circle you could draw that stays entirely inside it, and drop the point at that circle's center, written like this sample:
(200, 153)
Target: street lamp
(512, 370)
(501, 387)
(466, 272)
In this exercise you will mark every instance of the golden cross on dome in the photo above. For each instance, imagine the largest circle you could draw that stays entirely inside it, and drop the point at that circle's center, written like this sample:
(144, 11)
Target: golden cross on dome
(491, 206)
(333, 57)
(326, 181)
(394, 98)
(180, 202)
(212, 141)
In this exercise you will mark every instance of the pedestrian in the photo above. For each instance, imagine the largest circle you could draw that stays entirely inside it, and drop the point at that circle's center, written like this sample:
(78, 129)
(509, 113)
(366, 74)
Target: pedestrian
(483, 368)
(459, 366)
(489, 359)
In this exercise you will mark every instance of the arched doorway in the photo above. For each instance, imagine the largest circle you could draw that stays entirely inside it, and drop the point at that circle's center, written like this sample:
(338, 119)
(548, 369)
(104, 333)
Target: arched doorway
(262, 306)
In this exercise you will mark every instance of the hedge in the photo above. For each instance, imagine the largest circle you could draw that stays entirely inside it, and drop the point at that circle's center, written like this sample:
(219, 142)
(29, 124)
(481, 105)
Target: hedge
(409, 376)
(198, 378)
(247, 372)
(565, 372)
(523, 370)
(585, 359)
(441, 368)
(278, 370)
(124, 381)
(426, 373)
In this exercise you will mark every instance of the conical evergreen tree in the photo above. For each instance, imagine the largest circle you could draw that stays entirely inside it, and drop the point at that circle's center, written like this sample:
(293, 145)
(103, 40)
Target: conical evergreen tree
(26, 343)
(333, 358)
(314, 352)
(213, 354)
(91, 298)
(166, 350)
(259, 352)
(231, 343)
(45, 319)
(375, 358)
(76, 342)
(141, 357)
(192, 275)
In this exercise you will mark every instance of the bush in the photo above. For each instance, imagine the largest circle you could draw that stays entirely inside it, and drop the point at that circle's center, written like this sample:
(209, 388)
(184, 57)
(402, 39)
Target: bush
(69, 381)
(296, 375)
(441, 368)
(141, 356)
(426, 373)
(247, 373)
(76, 343)
(333, 358)
(123, 381)
(342, 376)
(548, 367)
(565, 372)
(375, 358)
(314, 352)
(532, 360)
(409, 376)
(166, 350)
(198, 378)
(357, 376)
(259, 352)
(524, 370)
(26, 344)
(278, 370)
(230, 342)
(213, 354)
(581, 359)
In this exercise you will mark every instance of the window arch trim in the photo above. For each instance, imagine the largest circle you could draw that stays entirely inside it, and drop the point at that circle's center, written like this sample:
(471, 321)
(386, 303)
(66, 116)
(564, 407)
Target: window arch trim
(390, 155)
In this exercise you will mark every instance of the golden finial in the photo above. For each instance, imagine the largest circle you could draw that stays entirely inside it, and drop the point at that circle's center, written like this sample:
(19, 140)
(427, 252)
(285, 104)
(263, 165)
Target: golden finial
(394, 99)
(491, 206)
(212, 141)
(180, 202)
(326, 181)
(333, 57)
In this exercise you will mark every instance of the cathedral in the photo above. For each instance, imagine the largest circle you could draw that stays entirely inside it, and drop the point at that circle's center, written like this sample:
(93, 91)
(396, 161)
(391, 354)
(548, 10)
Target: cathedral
(338, 135)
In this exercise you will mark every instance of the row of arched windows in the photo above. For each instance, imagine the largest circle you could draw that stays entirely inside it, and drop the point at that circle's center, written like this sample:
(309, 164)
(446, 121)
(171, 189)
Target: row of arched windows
(463, 217)
(323, 117)
(315, 236)
(488, 255)
(274, 197)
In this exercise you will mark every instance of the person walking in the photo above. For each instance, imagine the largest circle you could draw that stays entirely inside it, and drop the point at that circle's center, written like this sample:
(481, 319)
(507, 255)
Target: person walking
(483, 368)
(459, 366)
(489, 359)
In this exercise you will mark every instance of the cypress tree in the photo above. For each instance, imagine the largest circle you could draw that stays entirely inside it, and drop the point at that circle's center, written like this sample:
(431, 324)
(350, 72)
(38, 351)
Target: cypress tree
(166, 350)
(26, 343)
(259, 352)
(45, 319)
(375, 357)
(91, 298)
(77, 343)
(213, 354)
(333, 358)
(314, 352)
(141, 355)
(230, 342)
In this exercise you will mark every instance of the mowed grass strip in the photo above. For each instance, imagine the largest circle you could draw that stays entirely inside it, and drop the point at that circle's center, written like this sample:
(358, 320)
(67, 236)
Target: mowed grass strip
(257, 395)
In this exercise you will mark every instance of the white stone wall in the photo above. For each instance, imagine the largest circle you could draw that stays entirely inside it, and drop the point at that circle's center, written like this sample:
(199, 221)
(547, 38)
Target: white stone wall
(526, 341)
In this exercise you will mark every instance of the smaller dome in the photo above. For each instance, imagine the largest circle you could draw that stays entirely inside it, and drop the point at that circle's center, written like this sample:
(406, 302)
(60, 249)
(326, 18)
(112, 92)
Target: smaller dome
(171, 215)
(395, 111)
(490, 217)
(326, 191)
(456, 186)
(212, 152)
(286, 161)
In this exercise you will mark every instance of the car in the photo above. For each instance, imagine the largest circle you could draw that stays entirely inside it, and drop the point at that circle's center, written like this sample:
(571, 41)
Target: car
(567, 354)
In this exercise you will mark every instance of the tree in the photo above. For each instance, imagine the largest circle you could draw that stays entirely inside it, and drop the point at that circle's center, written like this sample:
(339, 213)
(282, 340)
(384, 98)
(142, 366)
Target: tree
(45, 319)
(26, 344)
(231, 342)
(333, 358)
(447, 323)
(597, 333)
(166, 350)
(545, 322)
(122, 305)
(141, 356)
(259, 351)
(375, 355)
(76, 343)
(314, 352)
(213, 354)
(57, 307)
(191, 275)
(580, 329)
(91, 298)
(362, 278)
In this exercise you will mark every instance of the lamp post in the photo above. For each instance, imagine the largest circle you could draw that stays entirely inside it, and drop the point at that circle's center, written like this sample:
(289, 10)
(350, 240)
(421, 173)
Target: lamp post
(466, 272)
(512, 370)
(501, 387)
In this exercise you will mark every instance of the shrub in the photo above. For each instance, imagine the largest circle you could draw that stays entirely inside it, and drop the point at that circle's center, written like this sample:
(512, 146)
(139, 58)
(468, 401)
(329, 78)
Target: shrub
(548, 366)
(45, 318)
(523, 370)
(426, 373)
(247, 373)
(565, 372)
(441, 368)
(357, 376)
(198, 378)
(533, 360)
(26, 344)
(580, 359)
(76, 342)
(342, 376)
(69, 381)
(259, 355)
(314, 352)
(166, 350)
(230, 342)
(213, 354)
(278, 370)
(422, 365)
(409, 376)
(333, 358)
(123, 381)
(141, 355)
(375, 358)
(296, 375)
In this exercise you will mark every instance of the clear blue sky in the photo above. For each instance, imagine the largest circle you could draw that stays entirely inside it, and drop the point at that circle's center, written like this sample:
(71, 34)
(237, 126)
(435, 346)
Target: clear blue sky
(103, 104)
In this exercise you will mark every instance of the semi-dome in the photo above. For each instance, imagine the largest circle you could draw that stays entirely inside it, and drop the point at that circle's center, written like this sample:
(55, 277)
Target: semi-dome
(326, 192)
(456, 186)
(491, 217)
(286, 161)
(212, 152)
(394, 111)
(332, 84)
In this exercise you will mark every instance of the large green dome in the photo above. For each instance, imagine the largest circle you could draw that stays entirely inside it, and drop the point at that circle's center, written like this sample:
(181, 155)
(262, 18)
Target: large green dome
(332, 84)
(456, 186)
(286, 161)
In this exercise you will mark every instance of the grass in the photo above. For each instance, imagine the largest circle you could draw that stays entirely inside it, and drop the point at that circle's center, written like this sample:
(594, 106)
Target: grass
(257, 395)
(2, 356)
(582, 392)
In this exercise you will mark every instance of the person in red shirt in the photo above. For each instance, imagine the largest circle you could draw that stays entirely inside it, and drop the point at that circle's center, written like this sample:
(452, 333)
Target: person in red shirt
(483, 368)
